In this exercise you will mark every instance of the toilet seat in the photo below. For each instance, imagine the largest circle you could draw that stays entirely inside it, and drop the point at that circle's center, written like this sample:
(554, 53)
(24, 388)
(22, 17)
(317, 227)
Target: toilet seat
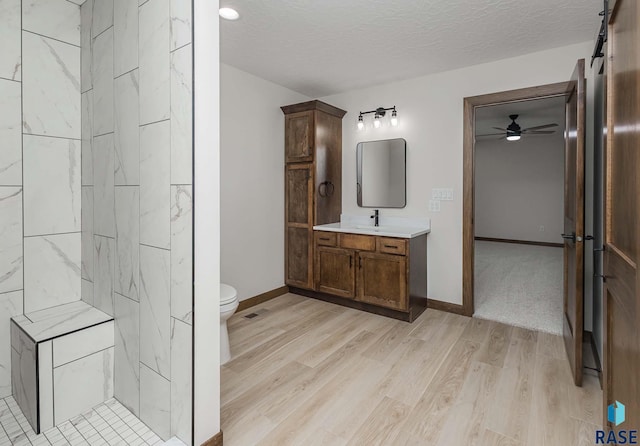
(228, 294)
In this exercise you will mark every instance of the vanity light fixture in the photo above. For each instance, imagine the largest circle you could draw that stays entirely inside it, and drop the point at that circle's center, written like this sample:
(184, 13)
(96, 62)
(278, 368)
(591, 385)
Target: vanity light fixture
(229, 13)
(379, 113)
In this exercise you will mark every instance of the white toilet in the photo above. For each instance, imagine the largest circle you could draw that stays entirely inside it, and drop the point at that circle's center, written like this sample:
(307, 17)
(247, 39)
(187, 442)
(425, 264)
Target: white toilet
(228, 306)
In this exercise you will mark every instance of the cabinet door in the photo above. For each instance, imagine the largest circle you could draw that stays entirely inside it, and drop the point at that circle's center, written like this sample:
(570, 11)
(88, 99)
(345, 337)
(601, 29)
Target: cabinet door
(335, 271)
(382, 280)
(299, 225)
(298, 137)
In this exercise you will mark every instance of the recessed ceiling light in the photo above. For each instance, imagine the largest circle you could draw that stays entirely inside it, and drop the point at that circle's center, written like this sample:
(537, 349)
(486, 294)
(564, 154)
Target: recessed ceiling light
(229, 14)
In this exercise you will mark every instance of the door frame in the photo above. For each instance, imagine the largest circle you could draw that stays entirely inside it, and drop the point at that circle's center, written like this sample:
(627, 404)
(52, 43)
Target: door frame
(468, 175)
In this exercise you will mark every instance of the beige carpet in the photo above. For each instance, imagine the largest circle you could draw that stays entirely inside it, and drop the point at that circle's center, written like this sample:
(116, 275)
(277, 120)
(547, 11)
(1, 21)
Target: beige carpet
(519, 285)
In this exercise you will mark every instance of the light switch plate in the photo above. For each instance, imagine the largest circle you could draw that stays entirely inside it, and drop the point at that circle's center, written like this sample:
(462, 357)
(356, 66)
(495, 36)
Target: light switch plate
(442, 194)
(434, 205)
(448, 194)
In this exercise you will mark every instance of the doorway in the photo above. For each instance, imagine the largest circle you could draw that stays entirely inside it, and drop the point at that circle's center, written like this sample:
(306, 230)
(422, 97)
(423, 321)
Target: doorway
(519, 207)
(471, 106)
(574, 94)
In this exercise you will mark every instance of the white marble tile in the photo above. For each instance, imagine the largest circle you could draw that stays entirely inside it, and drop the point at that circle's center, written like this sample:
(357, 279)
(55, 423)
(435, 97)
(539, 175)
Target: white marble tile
(93, 374)
(155, 178)
(52, 195)
(10, 305)
(155, 401)
(10, 132)
(24, 376)
(73, 308)
(82, 343)
(181, 360)
(87, 138)
(180, 23)
(103, 188)
(10, 23)
(181, 253)
(58, 19)
(45, 382)
(125, 28)
(103, 271)
(86, 44)
(62, 319)
(51, 87)
(102, 16)
(51, 270)
(87, 290)
(155, 312)
(102, 75)
(181, 116)
(87, 233)
(127, 241)
(127, 131)
(127, 353)
(10, 239)
(154, 62)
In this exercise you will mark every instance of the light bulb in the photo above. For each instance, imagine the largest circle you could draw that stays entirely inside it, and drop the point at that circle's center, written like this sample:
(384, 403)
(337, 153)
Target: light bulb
(394, 119)
(513, 137)
(376, 122)
(360, 123)
(229, 13)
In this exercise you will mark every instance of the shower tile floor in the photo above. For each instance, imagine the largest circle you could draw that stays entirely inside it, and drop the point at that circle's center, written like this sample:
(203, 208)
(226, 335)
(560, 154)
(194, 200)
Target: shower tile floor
(109, 423)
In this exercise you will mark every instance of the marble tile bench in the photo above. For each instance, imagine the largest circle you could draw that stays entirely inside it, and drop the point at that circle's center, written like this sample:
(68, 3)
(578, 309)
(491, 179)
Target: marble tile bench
(61, 362)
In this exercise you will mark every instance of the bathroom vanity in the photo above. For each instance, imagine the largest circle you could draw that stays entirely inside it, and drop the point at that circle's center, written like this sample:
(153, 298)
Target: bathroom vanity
(377, 269)
(381, 269)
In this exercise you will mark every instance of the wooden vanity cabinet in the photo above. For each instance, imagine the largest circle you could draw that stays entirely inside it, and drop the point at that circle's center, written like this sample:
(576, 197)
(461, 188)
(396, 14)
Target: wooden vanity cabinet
(382, 280)
(313, 182)
(335, 271)
(384, 275)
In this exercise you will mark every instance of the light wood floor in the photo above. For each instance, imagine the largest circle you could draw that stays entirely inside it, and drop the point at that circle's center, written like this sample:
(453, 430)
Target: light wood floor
(306, 372)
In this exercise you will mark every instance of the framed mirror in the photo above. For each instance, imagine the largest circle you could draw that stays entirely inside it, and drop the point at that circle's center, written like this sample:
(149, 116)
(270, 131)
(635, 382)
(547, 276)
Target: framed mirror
(382, 173)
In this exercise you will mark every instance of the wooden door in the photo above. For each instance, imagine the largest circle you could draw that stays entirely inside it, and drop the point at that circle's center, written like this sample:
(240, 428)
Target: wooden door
(622, 216)
(299, 137)
(574, 221)
(382, 280)
(335, 271)
(299, 225)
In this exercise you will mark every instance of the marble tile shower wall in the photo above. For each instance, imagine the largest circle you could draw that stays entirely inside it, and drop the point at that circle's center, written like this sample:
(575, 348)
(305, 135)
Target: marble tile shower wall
(40, 132)
(136, 198)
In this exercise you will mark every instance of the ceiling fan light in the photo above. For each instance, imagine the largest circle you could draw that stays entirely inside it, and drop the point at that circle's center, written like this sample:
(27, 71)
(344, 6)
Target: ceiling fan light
(513, 137)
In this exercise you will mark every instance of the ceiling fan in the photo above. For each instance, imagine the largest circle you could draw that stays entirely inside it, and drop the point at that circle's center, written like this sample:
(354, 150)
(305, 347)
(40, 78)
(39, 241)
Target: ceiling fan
(513, 132)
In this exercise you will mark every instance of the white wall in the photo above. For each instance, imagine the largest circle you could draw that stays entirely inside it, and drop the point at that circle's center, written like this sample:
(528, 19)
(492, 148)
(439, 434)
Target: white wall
(519, 188)
(430, 111)
(252, 178)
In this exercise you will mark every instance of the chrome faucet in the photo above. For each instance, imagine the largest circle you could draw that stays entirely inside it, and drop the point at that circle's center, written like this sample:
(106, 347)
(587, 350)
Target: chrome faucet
(376, 218)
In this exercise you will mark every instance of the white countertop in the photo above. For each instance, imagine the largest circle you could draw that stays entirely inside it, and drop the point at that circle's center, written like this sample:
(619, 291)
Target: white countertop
(383, 230)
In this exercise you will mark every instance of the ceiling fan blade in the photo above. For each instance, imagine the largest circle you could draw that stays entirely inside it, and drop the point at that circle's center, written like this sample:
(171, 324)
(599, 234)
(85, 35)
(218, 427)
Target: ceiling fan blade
(539, 132)
(492, 134)
(498, 128)
(540, 127)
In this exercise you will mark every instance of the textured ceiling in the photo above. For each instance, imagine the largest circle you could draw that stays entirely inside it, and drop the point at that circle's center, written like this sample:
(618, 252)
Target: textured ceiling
(530, 114)
(322, 47)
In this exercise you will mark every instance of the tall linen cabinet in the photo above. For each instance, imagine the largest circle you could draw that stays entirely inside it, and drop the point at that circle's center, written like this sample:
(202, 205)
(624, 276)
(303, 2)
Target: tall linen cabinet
(313, 182)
